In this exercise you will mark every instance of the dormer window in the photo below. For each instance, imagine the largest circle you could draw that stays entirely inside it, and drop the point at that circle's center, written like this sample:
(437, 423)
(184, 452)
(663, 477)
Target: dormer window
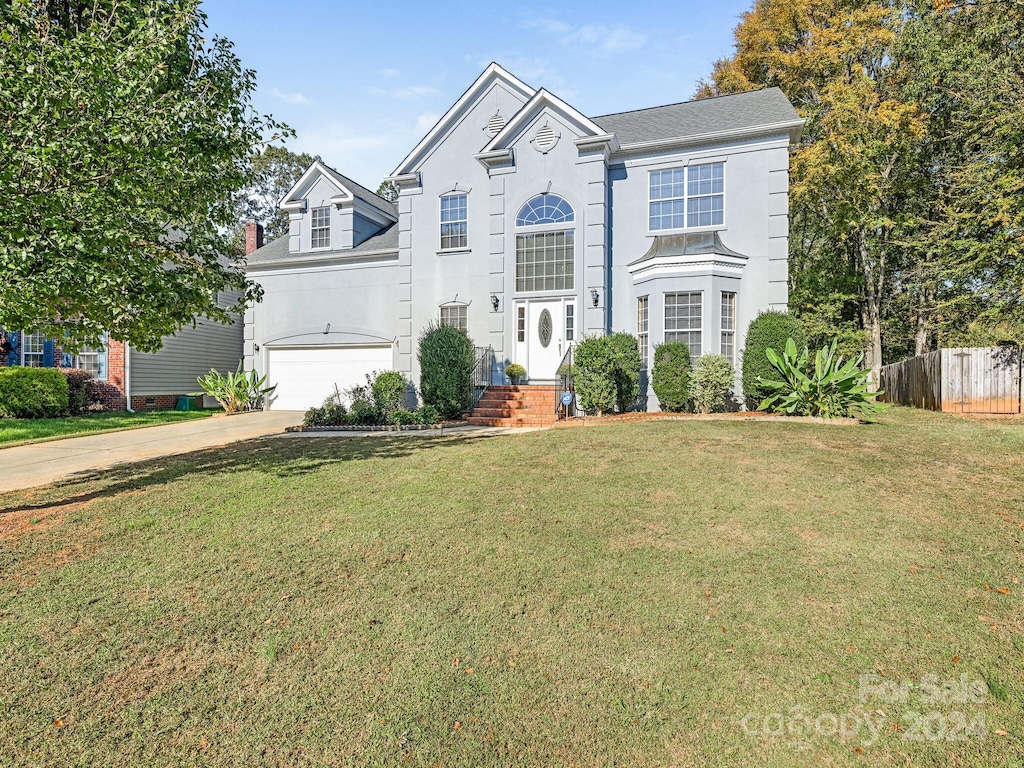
(320, 227)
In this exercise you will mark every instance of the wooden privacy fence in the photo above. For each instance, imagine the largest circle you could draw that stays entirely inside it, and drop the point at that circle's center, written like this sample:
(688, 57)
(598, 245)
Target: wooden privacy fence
(963, 380)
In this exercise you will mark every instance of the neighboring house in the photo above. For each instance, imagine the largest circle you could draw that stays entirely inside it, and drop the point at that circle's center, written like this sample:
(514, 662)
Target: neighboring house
(151, 380)
(529, 224)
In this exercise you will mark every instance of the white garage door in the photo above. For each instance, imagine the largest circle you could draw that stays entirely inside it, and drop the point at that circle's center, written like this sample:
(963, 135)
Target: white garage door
(305, 376)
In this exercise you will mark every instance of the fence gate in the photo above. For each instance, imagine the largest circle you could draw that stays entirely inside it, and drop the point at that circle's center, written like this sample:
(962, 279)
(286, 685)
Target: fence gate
(981, 380)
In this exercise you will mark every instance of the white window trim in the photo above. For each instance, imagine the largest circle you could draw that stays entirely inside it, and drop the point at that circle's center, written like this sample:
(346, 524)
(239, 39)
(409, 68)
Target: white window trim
(440, 224)
(707, 228)
(312, 229)
(722, 330)
(454, 305)
(664, 320)
(643, 335)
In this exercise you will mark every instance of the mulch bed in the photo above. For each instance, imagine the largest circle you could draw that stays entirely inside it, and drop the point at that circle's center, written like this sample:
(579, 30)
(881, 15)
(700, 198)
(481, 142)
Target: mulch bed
(379, 427)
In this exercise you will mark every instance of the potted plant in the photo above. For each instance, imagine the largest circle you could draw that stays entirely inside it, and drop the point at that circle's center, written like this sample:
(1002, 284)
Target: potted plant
(515, 372)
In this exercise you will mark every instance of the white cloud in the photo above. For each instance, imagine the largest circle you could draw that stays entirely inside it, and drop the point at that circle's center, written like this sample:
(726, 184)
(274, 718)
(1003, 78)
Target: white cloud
(404, 92)
(291, 98)
(594, 38)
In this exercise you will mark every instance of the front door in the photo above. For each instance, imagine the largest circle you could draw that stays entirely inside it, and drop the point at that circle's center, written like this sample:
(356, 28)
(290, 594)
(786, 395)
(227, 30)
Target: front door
(545, 337)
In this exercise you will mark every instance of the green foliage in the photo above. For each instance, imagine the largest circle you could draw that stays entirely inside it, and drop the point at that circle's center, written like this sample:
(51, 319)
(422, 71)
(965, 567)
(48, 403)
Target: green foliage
(833, 389)
(712, 379)
(388, 391)
(83, 393)
(32, 393)
(362, 409)
(427, 414)
(594, 374)
(626, 350)
(671, 376)
(403, 417)
(388, 191)
(331, 414)
(769, 330)
(127, 129)
(238, 391)
(447, 359)
(515, 371)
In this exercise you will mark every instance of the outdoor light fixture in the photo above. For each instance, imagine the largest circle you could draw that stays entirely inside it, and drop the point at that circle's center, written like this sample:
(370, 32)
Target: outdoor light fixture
(593, 296)
(494, 302)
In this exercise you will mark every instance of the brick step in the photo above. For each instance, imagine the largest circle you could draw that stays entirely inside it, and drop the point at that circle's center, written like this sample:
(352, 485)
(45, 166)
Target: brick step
(483, 421)
(506, 402)
(506, 413)
(523, 388)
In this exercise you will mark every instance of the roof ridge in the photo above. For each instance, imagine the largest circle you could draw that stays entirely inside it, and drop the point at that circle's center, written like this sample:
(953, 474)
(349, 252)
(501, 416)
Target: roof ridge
(687, 101)
(389, 206)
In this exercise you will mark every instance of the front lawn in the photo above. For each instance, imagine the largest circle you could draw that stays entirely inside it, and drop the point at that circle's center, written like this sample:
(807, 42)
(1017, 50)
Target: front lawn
(685, 593)
(17, 431)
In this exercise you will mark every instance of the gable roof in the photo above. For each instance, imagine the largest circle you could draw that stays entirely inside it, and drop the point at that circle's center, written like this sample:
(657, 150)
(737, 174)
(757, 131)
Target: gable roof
(735, 113)
(542, 98)
(349, 187)
(276, 251)
(494, 73)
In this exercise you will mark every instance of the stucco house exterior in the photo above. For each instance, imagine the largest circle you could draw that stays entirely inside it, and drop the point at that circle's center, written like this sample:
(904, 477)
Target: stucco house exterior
(529, 224)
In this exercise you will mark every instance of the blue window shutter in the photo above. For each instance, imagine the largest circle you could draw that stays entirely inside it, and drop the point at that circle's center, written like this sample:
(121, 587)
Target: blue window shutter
(48, 353)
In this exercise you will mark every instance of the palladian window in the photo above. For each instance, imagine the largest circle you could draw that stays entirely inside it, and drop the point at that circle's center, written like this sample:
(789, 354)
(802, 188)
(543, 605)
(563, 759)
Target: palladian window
(545, 258)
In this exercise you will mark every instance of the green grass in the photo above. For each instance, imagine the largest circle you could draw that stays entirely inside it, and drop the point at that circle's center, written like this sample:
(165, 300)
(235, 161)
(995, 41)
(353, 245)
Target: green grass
(21, 431)
(623, 594)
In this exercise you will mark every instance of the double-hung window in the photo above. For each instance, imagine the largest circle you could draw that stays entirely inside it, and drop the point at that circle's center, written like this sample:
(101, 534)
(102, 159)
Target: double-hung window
(729, 324)
(683, 320)
(32, 345)
(642, 319)
(94, 360)
(456, 315)
(320, 227)
(683, 198)
(454, 222)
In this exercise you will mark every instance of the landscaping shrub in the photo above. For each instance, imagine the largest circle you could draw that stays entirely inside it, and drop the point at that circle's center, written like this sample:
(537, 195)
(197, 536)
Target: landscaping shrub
(515, 371)
(403, 417)
(238, 391)
(362, 410)
(594, 374)
(626, 350)
(713, 376)
(427, 414)
(388, 391)
(32, 393)
(832, 389)
(331, 414)
(447, 360)
(769, 330)
(83, 393)
(671, 375)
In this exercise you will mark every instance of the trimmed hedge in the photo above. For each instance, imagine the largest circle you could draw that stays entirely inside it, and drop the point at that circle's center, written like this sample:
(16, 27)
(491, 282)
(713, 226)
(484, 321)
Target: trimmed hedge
(388, 390)
(33, 393)
(626, 350)
(713, 376)
(769, 330)
(671, 375)
(606, 372)
(447, 359)
(82, 391)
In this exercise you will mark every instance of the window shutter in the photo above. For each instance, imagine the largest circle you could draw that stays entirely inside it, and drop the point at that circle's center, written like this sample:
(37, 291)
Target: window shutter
(48, 353)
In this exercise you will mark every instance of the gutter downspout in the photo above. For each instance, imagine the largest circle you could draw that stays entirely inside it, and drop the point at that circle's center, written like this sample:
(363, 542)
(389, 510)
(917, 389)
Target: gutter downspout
(128, 377)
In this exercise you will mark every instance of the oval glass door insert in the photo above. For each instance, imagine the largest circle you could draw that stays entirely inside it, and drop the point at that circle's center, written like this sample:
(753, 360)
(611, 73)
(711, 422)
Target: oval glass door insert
(544, 328)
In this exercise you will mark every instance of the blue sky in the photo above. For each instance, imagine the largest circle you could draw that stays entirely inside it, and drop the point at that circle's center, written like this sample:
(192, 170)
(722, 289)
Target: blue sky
(362, 82)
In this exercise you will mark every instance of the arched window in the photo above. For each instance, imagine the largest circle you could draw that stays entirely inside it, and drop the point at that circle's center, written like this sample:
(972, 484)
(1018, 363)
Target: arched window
(545, 209)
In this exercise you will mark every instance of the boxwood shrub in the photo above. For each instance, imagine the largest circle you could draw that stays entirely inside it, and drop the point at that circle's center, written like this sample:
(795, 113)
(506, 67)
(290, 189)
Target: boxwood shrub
(671, 375)
(606, 372)
(32, 393)
(769, 330)
(447, 359)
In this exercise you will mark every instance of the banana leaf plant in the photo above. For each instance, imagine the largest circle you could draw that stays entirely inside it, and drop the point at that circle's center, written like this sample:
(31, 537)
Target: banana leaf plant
(237, 392)
(833, 388)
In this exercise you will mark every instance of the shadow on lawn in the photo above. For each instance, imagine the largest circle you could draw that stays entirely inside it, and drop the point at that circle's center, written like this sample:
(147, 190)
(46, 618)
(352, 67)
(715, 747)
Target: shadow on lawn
(281, 457)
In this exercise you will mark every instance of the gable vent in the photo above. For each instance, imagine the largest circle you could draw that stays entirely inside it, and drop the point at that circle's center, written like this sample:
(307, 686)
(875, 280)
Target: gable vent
(545, 139)
(495, 124)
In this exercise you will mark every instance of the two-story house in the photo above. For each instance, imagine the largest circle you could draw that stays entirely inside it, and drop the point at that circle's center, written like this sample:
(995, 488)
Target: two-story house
(529, 224)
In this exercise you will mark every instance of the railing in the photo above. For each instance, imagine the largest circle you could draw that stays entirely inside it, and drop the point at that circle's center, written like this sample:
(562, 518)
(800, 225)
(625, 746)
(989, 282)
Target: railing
(568, 384)
(482, 371)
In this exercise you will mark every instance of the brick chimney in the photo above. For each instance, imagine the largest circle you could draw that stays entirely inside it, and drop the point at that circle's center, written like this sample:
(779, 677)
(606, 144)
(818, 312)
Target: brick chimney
(253, 236)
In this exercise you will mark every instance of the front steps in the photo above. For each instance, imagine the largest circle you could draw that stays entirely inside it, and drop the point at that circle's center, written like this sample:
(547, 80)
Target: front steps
(517, 406)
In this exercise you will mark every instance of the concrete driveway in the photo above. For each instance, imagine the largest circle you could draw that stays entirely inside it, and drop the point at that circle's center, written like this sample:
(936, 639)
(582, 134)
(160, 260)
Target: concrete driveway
(27, 466)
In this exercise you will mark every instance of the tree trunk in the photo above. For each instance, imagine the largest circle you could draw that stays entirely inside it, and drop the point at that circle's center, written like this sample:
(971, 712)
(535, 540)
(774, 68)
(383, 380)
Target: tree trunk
(871, 307)
(923, 321)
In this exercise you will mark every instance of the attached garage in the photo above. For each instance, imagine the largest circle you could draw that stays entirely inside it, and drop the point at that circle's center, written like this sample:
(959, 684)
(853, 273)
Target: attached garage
(305, 376)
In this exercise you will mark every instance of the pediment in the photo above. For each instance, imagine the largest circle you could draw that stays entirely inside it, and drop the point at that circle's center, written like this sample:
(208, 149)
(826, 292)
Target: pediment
(296, 197)
(544, 105)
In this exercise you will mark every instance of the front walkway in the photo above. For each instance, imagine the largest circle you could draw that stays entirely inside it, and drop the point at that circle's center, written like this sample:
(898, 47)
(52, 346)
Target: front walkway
(27, 466)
